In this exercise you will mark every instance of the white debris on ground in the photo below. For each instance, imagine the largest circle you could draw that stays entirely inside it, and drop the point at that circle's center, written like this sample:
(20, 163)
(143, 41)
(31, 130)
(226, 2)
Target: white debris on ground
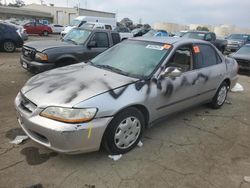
(247, 178)
(19, 139)
(237, 88)
(115, 157)
(140, 144)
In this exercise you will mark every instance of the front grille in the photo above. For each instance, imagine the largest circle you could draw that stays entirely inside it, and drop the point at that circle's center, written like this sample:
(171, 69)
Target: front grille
(28, 52)
(243, 62)
(27, 105)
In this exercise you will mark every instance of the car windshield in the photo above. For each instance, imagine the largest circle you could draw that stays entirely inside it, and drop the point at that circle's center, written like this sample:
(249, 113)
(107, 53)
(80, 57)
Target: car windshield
(75, 23)
(194, 35)
(237, 37)
(132, 58)
(135, 30)
(77, 36)
(245, 50)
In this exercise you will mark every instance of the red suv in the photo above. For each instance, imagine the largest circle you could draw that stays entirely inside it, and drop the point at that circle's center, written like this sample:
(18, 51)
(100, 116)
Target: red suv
(37, 28)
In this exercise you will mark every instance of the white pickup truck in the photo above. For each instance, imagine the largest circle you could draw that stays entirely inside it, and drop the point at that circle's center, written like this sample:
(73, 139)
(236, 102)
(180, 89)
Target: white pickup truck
(124, 32)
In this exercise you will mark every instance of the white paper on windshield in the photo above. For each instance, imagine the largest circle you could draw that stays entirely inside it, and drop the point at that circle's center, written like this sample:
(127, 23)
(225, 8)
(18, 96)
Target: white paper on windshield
(155, 47)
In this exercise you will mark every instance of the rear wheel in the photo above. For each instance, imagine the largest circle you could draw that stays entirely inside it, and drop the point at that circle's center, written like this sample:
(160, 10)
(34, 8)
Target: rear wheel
(9, 46)
(220, 96)
(124, 131)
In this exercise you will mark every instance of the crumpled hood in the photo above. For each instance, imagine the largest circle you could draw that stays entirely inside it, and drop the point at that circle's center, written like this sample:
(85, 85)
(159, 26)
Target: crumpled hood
(71, 85)
(44, 45)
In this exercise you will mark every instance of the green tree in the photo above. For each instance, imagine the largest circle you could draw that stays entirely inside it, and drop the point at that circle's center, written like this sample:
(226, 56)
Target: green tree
(202, 28)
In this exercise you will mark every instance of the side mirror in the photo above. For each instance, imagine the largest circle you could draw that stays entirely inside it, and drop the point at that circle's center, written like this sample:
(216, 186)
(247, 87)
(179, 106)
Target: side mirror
(172, 72)
(208, 39)
(92, 44)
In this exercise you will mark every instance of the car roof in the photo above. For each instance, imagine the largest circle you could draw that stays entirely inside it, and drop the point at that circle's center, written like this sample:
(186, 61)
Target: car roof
(169, 40)
(199, 32)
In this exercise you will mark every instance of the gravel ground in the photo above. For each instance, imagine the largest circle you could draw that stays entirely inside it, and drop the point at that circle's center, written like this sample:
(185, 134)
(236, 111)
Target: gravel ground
(197, 148)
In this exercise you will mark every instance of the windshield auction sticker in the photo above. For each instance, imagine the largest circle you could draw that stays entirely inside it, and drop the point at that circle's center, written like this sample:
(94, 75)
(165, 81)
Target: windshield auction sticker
(155, 47)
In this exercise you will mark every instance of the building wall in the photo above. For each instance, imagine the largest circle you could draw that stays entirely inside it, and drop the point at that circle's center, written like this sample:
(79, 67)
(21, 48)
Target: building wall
(22, 14)
(170, 27)
(63, 15)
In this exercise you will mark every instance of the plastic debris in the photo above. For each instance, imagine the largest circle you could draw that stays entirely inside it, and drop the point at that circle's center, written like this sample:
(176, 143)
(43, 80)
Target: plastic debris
(115, 157)
(247, 178)
(140, 144)
(19, 139)
(237, 88)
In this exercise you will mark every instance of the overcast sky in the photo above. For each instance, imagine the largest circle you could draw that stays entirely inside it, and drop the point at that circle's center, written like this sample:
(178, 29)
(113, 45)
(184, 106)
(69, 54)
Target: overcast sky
(178, 11)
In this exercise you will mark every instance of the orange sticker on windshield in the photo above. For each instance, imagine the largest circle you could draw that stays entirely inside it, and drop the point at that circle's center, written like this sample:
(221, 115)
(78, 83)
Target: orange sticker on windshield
(196, 49)
(167, 46)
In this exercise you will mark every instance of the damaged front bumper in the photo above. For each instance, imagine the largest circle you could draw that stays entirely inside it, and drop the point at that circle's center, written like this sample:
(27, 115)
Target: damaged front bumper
(58, 136)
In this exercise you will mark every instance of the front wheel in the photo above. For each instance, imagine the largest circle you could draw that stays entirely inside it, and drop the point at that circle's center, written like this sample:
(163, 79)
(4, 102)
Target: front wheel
(124, 131)
(9, 46)
(220, 96)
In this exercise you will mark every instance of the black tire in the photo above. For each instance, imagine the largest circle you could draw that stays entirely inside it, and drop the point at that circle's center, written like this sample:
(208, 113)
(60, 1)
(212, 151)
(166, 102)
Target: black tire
(216, 102)
(9, 46)
(109, 141)
(45, 33)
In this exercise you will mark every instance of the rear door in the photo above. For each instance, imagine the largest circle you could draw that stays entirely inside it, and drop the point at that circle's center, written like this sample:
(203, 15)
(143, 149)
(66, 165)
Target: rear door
(102, 43)
(30, 28)
(210, 70)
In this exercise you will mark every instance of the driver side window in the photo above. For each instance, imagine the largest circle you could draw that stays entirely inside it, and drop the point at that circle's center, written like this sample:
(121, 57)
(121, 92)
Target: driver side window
(101, 39)
(182, 58)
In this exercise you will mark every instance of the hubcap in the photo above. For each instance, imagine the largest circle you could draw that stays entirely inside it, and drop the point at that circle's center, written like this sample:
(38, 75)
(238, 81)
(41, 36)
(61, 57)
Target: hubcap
(9, 46)
(127, 132)
(222, 95)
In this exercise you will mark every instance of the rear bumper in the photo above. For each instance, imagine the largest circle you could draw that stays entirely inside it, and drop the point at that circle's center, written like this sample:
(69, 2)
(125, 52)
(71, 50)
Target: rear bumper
(61, 137)
(34, 66)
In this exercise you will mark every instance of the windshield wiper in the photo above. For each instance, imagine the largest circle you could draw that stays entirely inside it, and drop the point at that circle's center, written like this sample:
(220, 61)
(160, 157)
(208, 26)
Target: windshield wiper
(113, 69)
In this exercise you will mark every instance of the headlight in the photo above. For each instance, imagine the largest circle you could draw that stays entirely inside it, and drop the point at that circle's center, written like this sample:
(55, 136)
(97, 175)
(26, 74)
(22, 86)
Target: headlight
(69, 115)
(41, 56)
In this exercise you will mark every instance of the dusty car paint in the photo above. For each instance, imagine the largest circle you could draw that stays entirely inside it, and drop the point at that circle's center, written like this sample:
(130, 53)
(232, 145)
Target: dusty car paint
(85, 86)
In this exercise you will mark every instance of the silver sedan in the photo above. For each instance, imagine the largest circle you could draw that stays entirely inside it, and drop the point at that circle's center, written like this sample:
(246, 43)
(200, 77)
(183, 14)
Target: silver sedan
(110, 100)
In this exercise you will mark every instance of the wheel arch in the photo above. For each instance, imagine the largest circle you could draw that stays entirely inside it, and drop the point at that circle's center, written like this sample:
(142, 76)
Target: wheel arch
(143, 109)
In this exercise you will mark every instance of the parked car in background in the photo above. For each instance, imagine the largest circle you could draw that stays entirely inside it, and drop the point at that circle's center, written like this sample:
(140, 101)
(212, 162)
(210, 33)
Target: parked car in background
(128, 88)
(236, 41)
(94, 25)
(139, 31)
(180, 33)
(56, 28)
(242, 56)
(10, 37)
(207, 36)
(80, 20)
(22, 31)
(77, 46)
(124, 32)
(37, 28)
(156, 33)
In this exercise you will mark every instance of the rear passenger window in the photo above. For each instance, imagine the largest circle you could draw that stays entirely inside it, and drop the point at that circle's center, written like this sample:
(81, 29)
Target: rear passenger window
(206, 57)
(115, 37)
(102, 40)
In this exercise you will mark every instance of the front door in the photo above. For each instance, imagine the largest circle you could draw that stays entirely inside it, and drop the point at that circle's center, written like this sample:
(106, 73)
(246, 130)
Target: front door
(176, 93)
(102, 43)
